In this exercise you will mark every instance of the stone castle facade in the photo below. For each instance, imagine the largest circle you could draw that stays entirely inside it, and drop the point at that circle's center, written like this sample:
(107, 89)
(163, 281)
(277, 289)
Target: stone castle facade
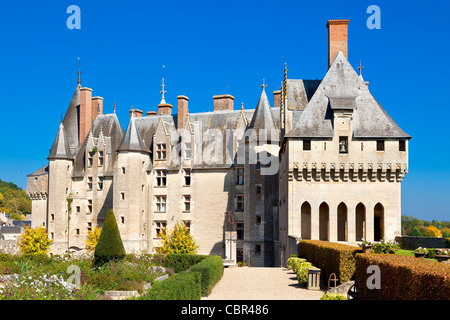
(325, 162)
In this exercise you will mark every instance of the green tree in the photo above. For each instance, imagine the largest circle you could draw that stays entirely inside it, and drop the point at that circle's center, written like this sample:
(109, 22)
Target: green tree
(415, 232)
(110, 245)
(177, 241)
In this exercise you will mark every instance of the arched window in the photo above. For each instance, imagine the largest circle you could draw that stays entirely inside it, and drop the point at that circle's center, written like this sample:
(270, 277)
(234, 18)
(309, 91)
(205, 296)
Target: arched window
(360, 222)
(306, 220)
(378, 222)
(342, 222)
(324, 222)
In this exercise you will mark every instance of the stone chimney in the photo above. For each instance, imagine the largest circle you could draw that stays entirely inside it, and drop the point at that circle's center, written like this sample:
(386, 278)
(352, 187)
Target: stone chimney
(86, 115)
(337, 39)
(223, 102)
(183, 111)
(151, 113)
(276, 98)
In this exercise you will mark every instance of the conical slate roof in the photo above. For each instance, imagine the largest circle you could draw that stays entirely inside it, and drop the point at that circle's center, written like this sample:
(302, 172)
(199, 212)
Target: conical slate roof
(60, 148)
(262, 117)
(132, 140)
(343, 89)
(70, 120)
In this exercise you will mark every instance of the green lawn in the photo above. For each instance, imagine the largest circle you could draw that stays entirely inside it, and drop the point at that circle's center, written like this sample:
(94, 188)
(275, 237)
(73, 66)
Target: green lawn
(404, 252)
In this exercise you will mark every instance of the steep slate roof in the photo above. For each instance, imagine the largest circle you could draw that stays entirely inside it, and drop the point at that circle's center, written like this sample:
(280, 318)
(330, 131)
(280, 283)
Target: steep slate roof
(262, 117)
(299, 92)
(71, 120)
(132, 140)
(109, 127)
(40, 172)
(342, 88)
(60, 148)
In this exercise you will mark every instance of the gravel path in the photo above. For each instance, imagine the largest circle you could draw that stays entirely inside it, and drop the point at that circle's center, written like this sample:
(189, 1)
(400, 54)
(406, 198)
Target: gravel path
(242, 283)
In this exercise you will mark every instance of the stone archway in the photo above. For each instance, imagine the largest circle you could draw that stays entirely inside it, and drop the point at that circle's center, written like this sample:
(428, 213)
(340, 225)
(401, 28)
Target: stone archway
(360, 219)
(378, 222)
(305, 220)
(342, 222)
(324, 222)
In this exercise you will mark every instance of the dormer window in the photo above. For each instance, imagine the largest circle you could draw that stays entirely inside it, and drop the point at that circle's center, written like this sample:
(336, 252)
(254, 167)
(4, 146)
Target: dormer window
(161, 151)
(343, 144)
(90, 161)
(100, 158)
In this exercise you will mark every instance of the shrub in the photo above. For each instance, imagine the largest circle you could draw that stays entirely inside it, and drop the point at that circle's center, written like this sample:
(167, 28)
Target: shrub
(330, 258)
(333, 296)
(179, 240)
(181, 262)
(293, 263)
(387, 247)
(34, 241)
(109, 246)
(302, 273)
(403, 277)
(181, 286)
(211, 270)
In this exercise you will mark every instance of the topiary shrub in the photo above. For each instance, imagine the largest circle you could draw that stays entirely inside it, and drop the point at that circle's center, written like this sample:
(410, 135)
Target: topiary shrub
(181, 286)
(181, 261)
(211, 270)
(109, 246)
(302, 273)
(293, 263)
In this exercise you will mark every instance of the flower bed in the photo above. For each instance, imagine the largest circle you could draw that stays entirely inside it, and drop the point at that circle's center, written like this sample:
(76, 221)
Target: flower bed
(403, 277)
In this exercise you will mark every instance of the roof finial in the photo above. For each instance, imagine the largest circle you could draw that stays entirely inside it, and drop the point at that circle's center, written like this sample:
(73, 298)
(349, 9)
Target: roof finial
(264, 85)
(360, 68)
(163, 100)
(242, 106)
(79, 71)
(61, 118)
(285, 70)
(114, 107)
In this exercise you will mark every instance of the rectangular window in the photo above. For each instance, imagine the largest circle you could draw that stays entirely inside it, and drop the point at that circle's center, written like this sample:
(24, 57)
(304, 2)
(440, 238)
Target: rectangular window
(240, 203)
(187, 203)
(77, 232)
(258, 189)
(122, 219)
(90, 161)
(240, 176)
(122, 195)
(100, 158)
(307, 145)
(161, 203)
(89, 184)
(89, 226)
(343, 144)
(187, 150)
(258, 219)
(240, 230)
(78, 209)
(187, 177)
(380, 145)
(89, 206)
(161, 151)
(52, 217)
(187, 223)
(402, 145)
(100, 183)
(257, 249)
(160, 227)
(161, 178)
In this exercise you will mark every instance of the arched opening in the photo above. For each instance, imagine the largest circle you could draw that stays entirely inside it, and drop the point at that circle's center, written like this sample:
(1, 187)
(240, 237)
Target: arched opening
(324, 221)
(378, 222)
(360, 222)
(342, 222)
(306, 220)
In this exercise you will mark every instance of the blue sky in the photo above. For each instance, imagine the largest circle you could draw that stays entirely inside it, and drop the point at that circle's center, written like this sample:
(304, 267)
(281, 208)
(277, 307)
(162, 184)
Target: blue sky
(218, 47)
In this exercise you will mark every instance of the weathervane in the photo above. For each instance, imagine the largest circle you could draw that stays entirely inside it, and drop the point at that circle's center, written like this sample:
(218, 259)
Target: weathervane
(264, 85)
(79, 71)
(163, 100)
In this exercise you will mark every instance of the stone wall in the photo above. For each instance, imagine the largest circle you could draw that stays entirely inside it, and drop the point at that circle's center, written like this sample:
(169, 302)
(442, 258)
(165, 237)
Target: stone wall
(411, 243)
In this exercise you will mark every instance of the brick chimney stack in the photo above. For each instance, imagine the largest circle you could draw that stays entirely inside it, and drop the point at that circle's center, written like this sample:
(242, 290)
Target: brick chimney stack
(223, 102)
(276, 98)
(183, 111)
(85, 113)
(97, 106)
(337, 39)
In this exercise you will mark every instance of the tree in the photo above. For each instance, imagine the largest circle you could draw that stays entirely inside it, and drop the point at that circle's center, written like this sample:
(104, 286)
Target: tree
(34, 241)
(178, 241)
(110, 245)
(434, 230)
(92, 239)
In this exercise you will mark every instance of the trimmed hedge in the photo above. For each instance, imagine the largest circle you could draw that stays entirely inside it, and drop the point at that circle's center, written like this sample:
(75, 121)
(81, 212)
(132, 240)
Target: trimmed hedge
(181, 261)
(181, 286)
(330, 258)
(403, 277)
(211, 270)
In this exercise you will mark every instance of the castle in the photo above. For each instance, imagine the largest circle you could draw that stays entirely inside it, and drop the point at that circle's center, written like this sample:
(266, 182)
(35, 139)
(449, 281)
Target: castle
(326, 162)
